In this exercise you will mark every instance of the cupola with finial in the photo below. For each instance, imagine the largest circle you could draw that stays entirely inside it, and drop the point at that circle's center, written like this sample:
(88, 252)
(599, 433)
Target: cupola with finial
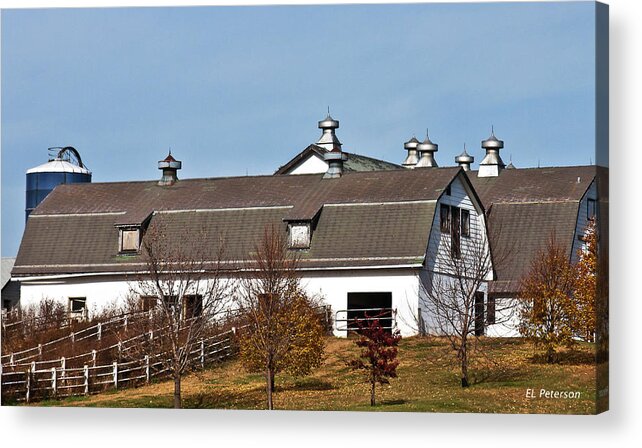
(412, 158)
(328, 139)
(492, 163)
(427, 150)
(170, 166)
(464, 159)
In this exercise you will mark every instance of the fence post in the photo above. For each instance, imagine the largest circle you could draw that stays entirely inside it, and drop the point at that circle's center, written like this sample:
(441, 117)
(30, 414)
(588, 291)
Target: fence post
(115, 374)
(28, 385)
(72, 336)
(40, 351)
(86, 378)
(54, 382)
(120, 349)
(63, 366)
(93, 357)
(100, 331)
(202, 353)
(11, 360)
(147, 372)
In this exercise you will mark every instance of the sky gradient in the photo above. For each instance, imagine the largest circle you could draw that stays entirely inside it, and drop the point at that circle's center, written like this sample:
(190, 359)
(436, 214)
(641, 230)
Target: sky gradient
(239, 90)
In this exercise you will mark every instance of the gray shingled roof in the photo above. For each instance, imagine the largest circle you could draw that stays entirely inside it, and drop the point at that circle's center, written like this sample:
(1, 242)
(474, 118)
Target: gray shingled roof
(526, 207)
(355, 162)
(73, 229)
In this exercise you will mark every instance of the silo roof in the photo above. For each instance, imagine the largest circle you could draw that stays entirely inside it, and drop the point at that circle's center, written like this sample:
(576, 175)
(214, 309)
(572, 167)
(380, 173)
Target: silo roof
(58, 166)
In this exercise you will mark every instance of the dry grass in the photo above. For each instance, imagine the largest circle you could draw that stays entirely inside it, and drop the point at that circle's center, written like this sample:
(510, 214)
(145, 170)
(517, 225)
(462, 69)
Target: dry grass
(428, 381)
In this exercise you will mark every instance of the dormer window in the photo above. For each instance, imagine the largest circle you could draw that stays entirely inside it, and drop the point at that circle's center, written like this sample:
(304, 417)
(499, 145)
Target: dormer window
(129, 240)
(299, 235)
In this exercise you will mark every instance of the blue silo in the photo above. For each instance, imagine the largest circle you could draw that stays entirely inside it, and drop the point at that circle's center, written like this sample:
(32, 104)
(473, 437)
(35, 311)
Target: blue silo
(65, 168)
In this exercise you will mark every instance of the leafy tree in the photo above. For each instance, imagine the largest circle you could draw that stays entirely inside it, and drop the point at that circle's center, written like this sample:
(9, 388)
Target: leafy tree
(548, 312)
(586, 285)
(284, 332)
(378, 358)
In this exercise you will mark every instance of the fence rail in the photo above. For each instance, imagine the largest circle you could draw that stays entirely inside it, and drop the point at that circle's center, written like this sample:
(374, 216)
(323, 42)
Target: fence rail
(58, 382)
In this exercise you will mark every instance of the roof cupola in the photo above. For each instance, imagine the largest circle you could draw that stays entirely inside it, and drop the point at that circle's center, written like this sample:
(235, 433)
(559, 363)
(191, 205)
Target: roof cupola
(170, 166)
(328, 139)
(413, 157)
(492, 163)
(427, 150)
(464, 159)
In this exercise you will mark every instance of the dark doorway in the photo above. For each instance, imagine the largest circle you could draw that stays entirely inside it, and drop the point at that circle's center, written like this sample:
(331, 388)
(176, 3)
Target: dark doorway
(479, 314)
(362, 305)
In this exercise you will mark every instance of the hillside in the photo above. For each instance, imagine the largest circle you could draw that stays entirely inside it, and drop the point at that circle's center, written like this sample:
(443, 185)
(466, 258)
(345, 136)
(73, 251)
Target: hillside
(427, 381)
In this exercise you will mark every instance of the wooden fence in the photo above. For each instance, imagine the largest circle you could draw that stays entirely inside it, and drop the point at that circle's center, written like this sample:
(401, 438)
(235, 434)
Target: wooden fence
(60, 381)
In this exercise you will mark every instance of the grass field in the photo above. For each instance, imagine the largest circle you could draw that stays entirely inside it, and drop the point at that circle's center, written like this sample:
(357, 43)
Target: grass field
(427, 381)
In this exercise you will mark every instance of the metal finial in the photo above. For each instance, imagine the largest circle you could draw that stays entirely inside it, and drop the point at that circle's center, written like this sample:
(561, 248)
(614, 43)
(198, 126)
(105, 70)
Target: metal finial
(328, 110)
(170, 150)
(492, 129)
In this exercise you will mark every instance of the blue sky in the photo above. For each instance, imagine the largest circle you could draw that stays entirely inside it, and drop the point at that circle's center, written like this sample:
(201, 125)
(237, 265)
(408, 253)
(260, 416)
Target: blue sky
(236, 90)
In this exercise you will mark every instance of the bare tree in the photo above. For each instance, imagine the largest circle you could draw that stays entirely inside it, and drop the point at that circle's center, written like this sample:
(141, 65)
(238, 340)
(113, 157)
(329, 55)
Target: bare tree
(183, 288)
(452, 287)
(284, 331)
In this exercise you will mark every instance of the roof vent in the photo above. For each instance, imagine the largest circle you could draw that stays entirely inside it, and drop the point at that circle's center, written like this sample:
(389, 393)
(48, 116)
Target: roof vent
(492, 163)
(169, 166)
(335, 159)
(328, 139)
(464, 160)
(411, 147)
(427, 150)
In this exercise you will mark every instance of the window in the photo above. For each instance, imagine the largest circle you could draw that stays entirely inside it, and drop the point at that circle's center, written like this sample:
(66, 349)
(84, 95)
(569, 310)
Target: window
(129, 240)
(77, 306)
(590, 208)
(490, 310)
(448, 191)
(444, 216)
(465, 223)
(455, 234)
(299, 235)
(148, 303)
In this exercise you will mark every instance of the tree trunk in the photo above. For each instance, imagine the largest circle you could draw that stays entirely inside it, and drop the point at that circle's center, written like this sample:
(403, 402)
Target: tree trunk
(269, 385)
(372, 393)
(464, 365)
(177, 391)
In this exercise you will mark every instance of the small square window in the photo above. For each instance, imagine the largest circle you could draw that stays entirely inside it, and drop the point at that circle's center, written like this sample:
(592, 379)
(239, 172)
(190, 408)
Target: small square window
(77, 305)
(129, 240)
(299, 236)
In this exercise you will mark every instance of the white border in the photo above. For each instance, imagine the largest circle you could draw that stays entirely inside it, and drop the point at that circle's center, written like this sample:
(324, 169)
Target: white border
(619, 427)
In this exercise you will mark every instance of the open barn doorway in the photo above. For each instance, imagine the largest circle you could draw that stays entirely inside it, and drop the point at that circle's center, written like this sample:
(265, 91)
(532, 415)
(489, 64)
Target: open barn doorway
(370, 305)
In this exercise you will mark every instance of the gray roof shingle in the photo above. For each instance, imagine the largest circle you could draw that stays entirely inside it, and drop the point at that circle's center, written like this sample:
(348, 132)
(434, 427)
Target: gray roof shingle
(73, 229)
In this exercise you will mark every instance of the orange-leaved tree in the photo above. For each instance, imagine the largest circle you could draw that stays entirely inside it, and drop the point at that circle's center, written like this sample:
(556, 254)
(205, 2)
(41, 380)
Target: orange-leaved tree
(586, 285)
(548, 312)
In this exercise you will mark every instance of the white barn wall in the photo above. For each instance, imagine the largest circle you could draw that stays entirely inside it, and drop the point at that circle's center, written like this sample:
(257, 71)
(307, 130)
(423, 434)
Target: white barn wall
(332, 286)
(100, 291)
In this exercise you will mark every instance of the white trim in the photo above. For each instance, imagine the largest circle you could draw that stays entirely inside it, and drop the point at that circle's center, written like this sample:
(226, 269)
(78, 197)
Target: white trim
(348, 204)
(59, 215)
(207, 210)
